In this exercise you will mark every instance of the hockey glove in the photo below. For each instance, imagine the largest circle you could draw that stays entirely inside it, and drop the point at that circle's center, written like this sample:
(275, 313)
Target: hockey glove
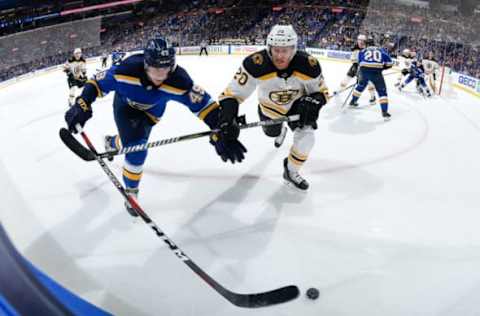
(226, 142)
(79, 113)
(308, 107)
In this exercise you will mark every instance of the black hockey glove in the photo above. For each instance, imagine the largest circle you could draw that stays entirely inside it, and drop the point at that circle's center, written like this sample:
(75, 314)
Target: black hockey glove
(405, 72)
(308, 107)
(226, 142)
(79, 113)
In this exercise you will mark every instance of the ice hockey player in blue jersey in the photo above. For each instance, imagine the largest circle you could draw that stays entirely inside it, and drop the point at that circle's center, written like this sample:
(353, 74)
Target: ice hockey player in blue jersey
(417, 73)
(372, 61)
(143, 84)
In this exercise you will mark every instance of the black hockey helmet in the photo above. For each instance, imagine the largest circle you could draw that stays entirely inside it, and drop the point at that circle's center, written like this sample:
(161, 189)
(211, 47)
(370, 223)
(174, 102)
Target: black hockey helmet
(370, 41)
(159, 53)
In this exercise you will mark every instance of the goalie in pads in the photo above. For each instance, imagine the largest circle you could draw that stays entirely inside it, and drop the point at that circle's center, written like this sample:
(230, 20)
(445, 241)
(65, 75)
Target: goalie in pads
(432, 69)
(289, 82)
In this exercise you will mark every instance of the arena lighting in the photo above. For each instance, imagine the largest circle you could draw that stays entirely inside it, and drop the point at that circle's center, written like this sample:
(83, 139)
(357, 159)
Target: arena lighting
(98, 6)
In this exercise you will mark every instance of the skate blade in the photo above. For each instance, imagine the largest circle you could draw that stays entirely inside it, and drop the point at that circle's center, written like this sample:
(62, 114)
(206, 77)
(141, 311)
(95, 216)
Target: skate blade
(293, 187)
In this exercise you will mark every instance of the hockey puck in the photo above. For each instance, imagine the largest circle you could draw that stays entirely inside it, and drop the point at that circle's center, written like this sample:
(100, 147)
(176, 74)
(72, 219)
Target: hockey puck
(313, 293)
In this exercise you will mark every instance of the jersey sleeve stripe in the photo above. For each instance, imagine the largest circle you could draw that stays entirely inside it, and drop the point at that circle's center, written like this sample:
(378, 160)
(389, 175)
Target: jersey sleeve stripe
(228, 93)
(209, 108)
(128, 79)
(95, 84)
(172, 90)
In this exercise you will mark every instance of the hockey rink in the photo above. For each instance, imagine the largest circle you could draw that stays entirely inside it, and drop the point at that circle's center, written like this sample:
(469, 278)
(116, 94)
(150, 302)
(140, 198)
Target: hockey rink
(390, 225)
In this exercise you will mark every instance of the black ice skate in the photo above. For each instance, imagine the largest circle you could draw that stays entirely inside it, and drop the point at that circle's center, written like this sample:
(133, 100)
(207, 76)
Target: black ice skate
(131, 192)
(293, 177)
(372, 100)
(353, 104)
(280, 138)
(386, 116)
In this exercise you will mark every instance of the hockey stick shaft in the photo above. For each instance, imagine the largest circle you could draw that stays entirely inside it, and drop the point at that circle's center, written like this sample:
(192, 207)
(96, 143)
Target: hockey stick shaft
(167, 141)
(348, 97)
(277, 296)
(352, 85)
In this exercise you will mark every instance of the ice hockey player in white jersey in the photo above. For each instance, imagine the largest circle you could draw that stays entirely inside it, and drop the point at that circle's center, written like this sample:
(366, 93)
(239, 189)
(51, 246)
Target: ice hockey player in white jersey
(353, 70)
(405, 61)
(431, 68)
(76, 70)
(289, 82)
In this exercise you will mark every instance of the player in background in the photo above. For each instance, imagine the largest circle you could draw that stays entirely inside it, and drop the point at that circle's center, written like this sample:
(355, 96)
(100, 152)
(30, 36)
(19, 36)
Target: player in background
(405, 61)
(143, 85)
(352, 72)
(76, 70)
(372, 61)
(289, 82)
(104, 59)
(417, 73)
(203, 47)
(431, 68)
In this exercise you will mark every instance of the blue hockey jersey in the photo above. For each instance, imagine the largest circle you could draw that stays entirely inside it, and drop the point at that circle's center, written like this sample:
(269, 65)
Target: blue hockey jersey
(134, 89)
(416, 69)
(374, 58)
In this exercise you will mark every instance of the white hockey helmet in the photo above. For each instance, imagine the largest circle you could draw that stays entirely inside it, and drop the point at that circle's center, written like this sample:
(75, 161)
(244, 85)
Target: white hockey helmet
(406, 52)
(282, 35)
(77, 52)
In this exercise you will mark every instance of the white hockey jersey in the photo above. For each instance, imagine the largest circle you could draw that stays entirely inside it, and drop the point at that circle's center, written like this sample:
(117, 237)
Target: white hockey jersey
(430, 66)
(277, 89)
(405, 62)
(78, 68)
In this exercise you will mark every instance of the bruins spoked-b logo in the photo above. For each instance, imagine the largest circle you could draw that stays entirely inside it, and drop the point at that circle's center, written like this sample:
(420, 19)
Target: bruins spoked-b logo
(283, 97)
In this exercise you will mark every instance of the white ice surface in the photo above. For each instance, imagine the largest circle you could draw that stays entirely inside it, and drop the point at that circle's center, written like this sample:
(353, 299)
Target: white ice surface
(390, 225)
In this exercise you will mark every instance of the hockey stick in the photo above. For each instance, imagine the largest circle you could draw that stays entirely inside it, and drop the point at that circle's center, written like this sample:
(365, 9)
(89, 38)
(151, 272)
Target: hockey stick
(277, 296)
(88, 155)
(342, 108)
(334, 93)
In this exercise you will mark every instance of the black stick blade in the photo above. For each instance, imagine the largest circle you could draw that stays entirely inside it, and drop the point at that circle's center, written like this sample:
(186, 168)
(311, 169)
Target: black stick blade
(278, 296)
(75, 146)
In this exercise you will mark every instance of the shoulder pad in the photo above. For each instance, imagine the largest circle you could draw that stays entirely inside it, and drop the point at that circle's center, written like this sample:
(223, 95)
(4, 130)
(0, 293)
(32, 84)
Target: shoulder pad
(258, 64)
(306, 64)
(131, 66)
(179, 79)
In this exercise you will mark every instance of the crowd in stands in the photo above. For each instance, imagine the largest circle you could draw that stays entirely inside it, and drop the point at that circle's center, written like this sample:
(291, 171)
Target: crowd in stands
(450, 36)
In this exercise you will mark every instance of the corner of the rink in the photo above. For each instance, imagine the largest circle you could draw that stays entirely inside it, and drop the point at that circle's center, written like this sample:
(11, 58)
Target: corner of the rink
(25, 290)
